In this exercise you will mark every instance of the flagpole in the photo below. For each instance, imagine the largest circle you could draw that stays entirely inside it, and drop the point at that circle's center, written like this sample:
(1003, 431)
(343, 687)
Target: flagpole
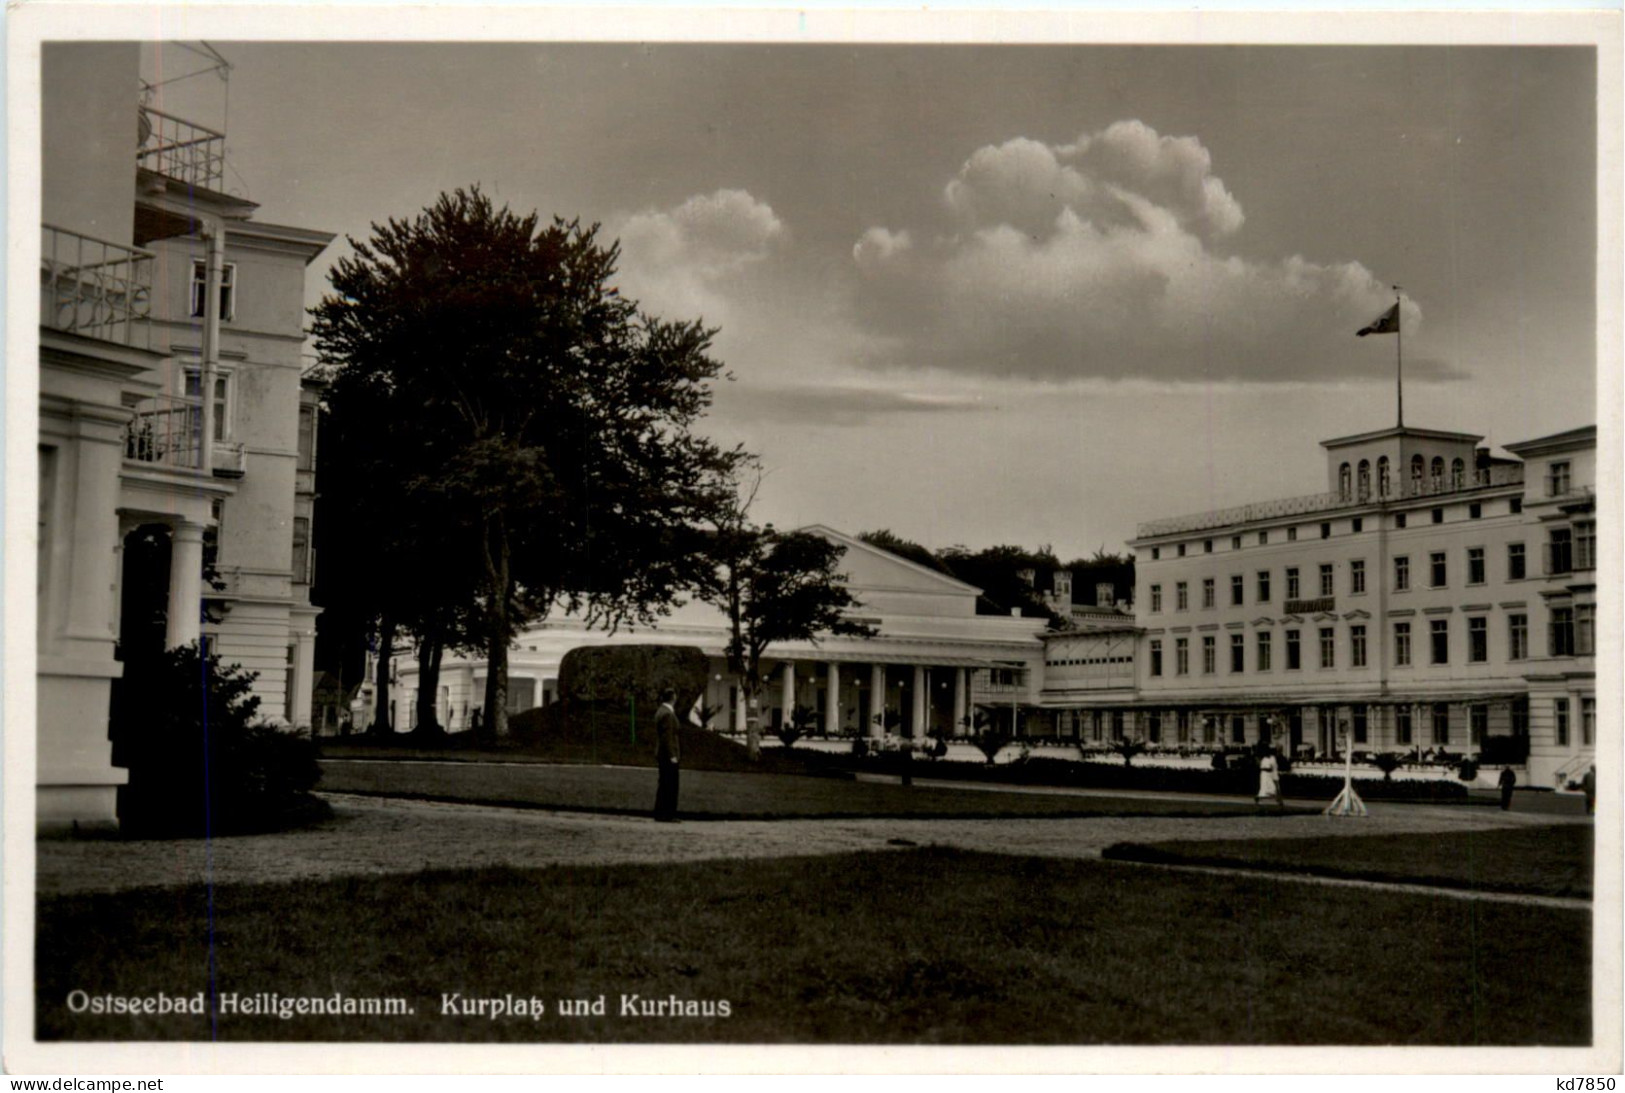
(1399, 357)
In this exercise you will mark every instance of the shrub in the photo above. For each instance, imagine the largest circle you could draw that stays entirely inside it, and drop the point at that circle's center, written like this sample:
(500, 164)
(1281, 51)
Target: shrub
(990, 741)
(1128, 749)
(1468, 769)
(616, 675)
(200, 761)
(1387, 762)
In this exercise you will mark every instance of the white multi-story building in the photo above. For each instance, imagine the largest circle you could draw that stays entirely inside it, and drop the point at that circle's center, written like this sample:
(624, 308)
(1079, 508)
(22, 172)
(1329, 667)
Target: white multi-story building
(154, 500)
(1433, 598)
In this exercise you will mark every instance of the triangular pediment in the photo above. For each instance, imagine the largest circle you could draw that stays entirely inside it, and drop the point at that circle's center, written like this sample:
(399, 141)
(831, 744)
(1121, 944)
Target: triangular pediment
(868, 566)
(1263, 620)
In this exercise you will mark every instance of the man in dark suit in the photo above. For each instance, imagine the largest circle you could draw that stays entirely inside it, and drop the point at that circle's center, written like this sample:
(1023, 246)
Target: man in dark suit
(667, 752)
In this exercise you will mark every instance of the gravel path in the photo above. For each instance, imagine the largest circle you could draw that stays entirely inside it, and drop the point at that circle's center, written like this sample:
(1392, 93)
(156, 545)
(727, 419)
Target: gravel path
(371, 835)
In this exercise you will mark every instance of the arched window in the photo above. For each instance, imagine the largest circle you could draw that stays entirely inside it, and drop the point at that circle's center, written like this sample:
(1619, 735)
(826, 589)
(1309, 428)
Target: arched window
(1437, 467)
(1418, 465)
(1363, 481)
(1382, 477)
(1343, 475)
(1458, 473)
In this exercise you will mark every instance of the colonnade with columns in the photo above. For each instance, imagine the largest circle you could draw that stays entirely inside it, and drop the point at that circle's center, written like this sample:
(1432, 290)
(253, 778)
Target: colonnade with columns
(914, 700)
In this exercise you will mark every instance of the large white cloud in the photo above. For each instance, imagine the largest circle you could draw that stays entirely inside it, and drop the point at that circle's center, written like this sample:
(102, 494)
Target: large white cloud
(686, 261)
(1103, 258)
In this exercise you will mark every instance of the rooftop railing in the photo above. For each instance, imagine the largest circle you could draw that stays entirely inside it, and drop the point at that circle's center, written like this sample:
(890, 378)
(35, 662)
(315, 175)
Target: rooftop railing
(1500, 474)
(94, 287)
(180, 150)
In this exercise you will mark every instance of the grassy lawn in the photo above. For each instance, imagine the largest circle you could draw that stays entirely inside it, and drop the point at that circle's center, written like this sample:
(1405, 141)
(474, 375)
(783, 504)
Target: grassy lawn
(717, 795)
(1552, 861)
(920, 946)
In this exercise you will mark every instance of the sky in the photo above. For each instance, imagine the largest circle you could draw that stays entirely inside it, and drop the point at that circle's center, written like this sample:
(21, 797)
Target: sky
(1021, 294)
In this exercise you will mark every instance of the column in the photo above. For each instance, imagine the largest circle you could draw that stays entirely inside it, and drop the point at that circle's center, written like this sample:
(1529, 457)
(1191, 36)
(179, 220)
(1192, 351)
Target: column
(304, 667)
(740, 712)
(916, 726)
(877, 699)
(787, 698)
(185, 584)
(960, 704)
(832, 700)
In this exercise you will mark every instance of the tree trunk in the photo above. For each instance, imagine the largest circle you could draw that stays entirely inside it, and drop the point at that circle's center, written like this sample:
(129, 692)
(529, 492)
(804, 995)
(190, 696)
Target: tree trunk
(380, 710)
(429, 685)
(753, 722)
(499, 589)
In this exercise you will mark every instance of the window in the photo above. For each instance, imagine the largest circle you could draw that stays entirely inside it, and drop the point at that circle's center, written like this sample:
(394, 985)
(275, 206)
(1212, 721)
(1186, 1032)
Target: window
(1478, 639)
(1293, 658)
(301, 550)
(1292, 582)
(1517, 637)
(193, 383)
(1345, 480)
(1588, 721)
(1560, 719)
(1441, 723)
(1436, 569)
(1520, 717)
(228, 290)
(1263, 538)
(1560, 633)
(1328, 647)
(1402, 724)
(1357, 646)
(1515, 505)
(1458, 473)
(1182, 596)
(1478, 721)
(1402, 573)
(1402, 645)
(1209, 729)
(1326, 531)
(1156, 656)
(1292, 535)
(1436, 472)
(1097, 725)
(1263, 586)
(1418, 468)
(307, 438)
(1153, 726)
(1557, 480)
(1156, 597)
(1560, 551)
(1238, 729)
(1238, 652)
(1475, 565)
(1475, 511)
(1180, 550)
(1362, 479)
(1235, 542)
(1182, 719)
(1585, 629)
(1182, 657)
(1357, 576)
(1438, 516)
(1156, 553)
(1117, 724)
(1207, 546)
(1210, 655)
(1399, 520)
(1237, 588)
(1361, 725)
(1326, 586)
(1207, 592)
(1264, 651)
(1439, 640)
(1515, 568)
(1585, 545)
(1382, 476)
(1357, 524)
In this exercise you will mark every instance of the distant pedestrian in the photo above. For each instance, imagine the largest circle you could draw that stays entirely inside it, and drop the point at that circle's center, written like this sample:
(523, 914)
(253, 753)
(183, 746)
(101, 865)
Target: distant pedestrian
(1507, 781)
(1269, 781)
(1588, 786)
(667, 753)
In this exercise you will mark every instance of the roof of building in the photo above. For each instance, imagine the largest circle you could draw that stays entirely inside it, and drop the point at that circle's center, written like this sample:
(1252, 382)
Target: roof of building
(1399, 430)
(1583, 437)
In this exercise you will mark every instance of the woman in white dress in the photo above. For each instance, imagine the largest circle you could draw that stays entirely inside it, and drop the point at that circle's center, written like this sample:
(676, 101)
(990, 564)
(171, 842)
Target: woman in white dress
(1269, 781)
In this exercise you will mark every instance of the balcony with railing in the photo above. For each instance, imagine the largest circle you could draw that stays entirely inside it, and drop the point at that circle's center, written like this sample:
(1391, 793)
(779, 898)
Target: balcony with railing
(1497, 475)
(181, 150)
(166, 432)
(95, 288)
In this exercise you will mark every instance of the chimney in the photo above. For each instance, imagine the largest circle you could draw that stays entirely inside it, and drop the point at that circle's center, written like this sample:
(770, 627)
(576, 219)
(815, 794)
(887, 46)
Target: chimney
(1063, 587)
(1105, 594)
(1028, 576)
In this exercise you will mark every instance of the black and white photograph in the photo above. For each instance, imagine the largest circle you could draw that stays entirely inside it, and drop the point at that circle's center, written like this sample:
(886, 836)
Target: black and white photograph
(995, 538)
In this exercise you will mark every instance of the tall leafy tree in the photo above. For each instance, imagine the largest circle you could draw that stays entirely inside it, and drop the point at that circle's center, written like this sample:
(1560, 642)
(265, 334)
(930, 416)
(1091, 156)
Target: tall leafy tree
(536, 418)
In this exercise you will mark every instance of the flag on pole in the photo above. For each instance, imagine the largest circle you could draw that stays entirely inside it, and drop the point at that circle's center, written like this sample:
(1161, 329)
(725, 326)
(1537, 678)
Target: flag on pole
(1387, 324)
